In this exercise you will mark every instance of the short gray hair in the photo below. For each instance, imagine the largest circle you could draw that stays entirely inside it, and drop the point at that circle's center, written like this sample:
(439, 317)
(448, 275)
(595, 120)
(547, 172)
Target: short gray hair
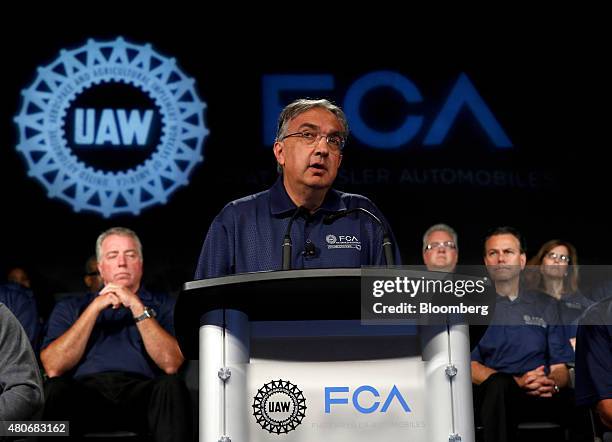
(441, 227)
(302, 105)
(121, 231)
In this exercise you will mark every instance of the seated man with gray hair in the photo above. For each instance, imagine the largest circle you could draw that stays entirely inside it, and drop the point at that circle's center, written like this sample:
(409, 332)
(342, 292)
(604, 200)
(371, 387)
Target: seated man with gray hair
(112, 357)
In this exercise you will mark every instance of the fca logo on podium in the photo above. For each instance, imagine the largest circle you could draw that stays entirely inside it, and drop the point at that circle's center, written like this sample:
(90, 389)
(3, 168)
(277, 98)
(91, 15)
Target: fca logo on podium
(363, 399)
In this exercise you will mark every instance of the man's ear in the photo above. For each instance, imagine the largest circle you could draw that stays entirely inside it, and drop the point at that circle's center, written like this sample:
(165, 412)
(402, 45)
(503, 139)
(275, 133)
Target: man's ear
(279, 152)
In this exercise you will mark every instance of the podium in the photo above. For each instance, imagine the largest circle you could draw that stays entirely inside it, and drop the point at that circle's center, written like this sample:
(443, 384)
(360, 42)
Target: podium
(284, 356)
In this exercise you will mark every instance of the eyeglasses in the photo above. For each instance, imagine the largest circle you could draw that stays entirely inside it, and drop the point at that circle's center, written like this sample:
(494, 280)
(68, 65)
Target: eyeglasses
(441, 245)
(334, 141)
(554, 256)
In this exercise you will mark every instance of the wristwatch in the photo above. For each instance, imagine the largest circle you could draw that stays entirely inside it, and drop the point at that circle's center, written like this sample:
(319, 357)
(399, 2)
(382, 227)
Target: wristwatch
(148, 313)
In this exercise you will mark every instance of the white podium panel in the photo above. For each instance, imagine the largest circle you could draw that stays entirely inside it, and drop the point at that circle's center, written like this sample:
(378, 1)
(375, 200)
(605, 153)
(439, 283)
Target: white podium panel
(335, 381)
(353, 401)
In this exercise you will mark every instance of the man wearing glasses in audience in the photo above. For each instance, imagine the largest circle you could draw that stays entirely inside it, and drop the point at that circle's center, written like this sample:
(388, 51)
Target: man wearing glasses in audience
(247, 235)
(519, 366)
(440, 253)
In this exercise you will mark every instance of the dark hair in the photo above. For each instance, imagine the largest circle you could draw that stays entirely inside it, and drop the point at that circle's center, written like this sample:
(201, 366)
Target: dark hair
(297, 107)
(570, 282)
(506, 230)
(91, 265)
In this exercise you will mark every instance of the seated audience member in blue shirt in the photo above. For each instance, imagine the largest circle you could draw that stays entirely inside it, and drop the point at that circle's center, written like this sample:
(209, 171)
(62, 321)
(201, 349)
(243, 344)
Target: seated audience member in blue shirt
(21, 302)
(247, 235)
(601, 291)
(111, 356)
(519, 365)
(594, 360)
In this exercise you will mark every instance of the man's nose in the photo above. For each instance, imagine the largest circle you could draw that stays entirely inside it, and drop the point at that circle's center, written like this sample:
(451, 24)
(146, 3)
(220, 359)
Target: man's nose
(121, 261)
(321, 147)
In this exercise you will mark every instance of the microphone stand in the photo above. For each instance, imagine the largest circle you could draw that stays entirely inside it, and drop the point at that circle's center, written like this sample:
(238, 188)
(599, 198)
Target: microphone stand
(287, 239)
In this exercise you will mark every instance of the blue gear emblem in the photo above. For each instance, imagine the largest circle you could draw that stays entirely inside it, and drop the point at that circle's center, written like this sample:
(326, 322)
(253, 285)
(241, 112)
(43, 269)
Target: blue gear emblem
(50, 158)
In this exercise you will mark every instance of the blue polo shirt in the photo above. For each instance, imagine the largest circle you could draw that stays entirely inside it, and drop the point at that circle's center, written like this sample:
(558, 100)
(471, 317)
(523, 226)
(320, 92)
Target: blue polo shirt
(524, 334)
(594, 354)
(115, 343)
(21, 302)
(601, 291)
(247, 235)
(571, 308)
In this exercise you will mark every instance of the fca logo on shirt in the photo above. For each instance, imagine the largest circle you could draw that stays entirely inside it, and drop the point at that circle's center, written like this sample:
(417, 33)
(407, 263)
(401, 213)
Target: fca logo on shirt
(463, 95)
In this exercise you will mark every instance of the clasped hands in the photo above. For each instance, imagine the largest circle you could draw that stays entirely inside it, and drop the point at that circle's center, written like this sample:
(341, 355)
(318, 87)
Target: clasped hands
(536, 383)
(115, 296)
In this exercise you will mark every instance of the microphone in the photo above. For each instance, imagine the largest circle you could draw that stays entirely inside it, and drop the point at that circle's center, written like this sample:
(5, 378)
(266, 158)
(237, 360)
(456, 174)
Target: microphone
(386, 242)
(309, 248)
(287, 239)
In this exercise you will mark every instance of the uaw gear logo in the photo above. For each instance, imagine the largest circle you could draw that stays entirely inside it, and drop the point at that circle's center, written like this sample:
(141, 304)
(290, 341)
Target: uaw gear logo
(279, 407)
(111, 127)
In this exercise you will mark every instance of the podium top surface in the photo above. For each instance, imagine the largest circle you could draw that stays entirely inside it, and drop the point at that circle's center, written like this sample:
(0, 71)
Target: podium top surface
(310, 294)
(272, 276)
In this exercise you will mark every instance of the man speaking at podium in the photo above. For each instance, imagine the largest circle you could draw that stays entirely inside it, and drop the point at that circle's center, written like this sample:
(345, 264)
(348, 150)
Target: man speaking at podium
(300, 222)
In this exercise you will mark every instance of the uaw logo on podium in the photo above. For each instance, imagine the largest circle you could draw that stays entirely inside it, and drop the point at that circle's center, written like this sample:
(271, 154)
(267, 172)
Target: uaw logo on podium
(111, 127)
(279, 406)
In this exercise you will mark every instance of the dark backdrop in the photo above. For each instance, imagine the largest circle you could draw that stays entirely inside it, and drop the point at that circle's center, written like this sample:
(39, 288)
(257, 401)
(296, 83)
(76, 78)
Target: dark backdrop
(545, 87)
